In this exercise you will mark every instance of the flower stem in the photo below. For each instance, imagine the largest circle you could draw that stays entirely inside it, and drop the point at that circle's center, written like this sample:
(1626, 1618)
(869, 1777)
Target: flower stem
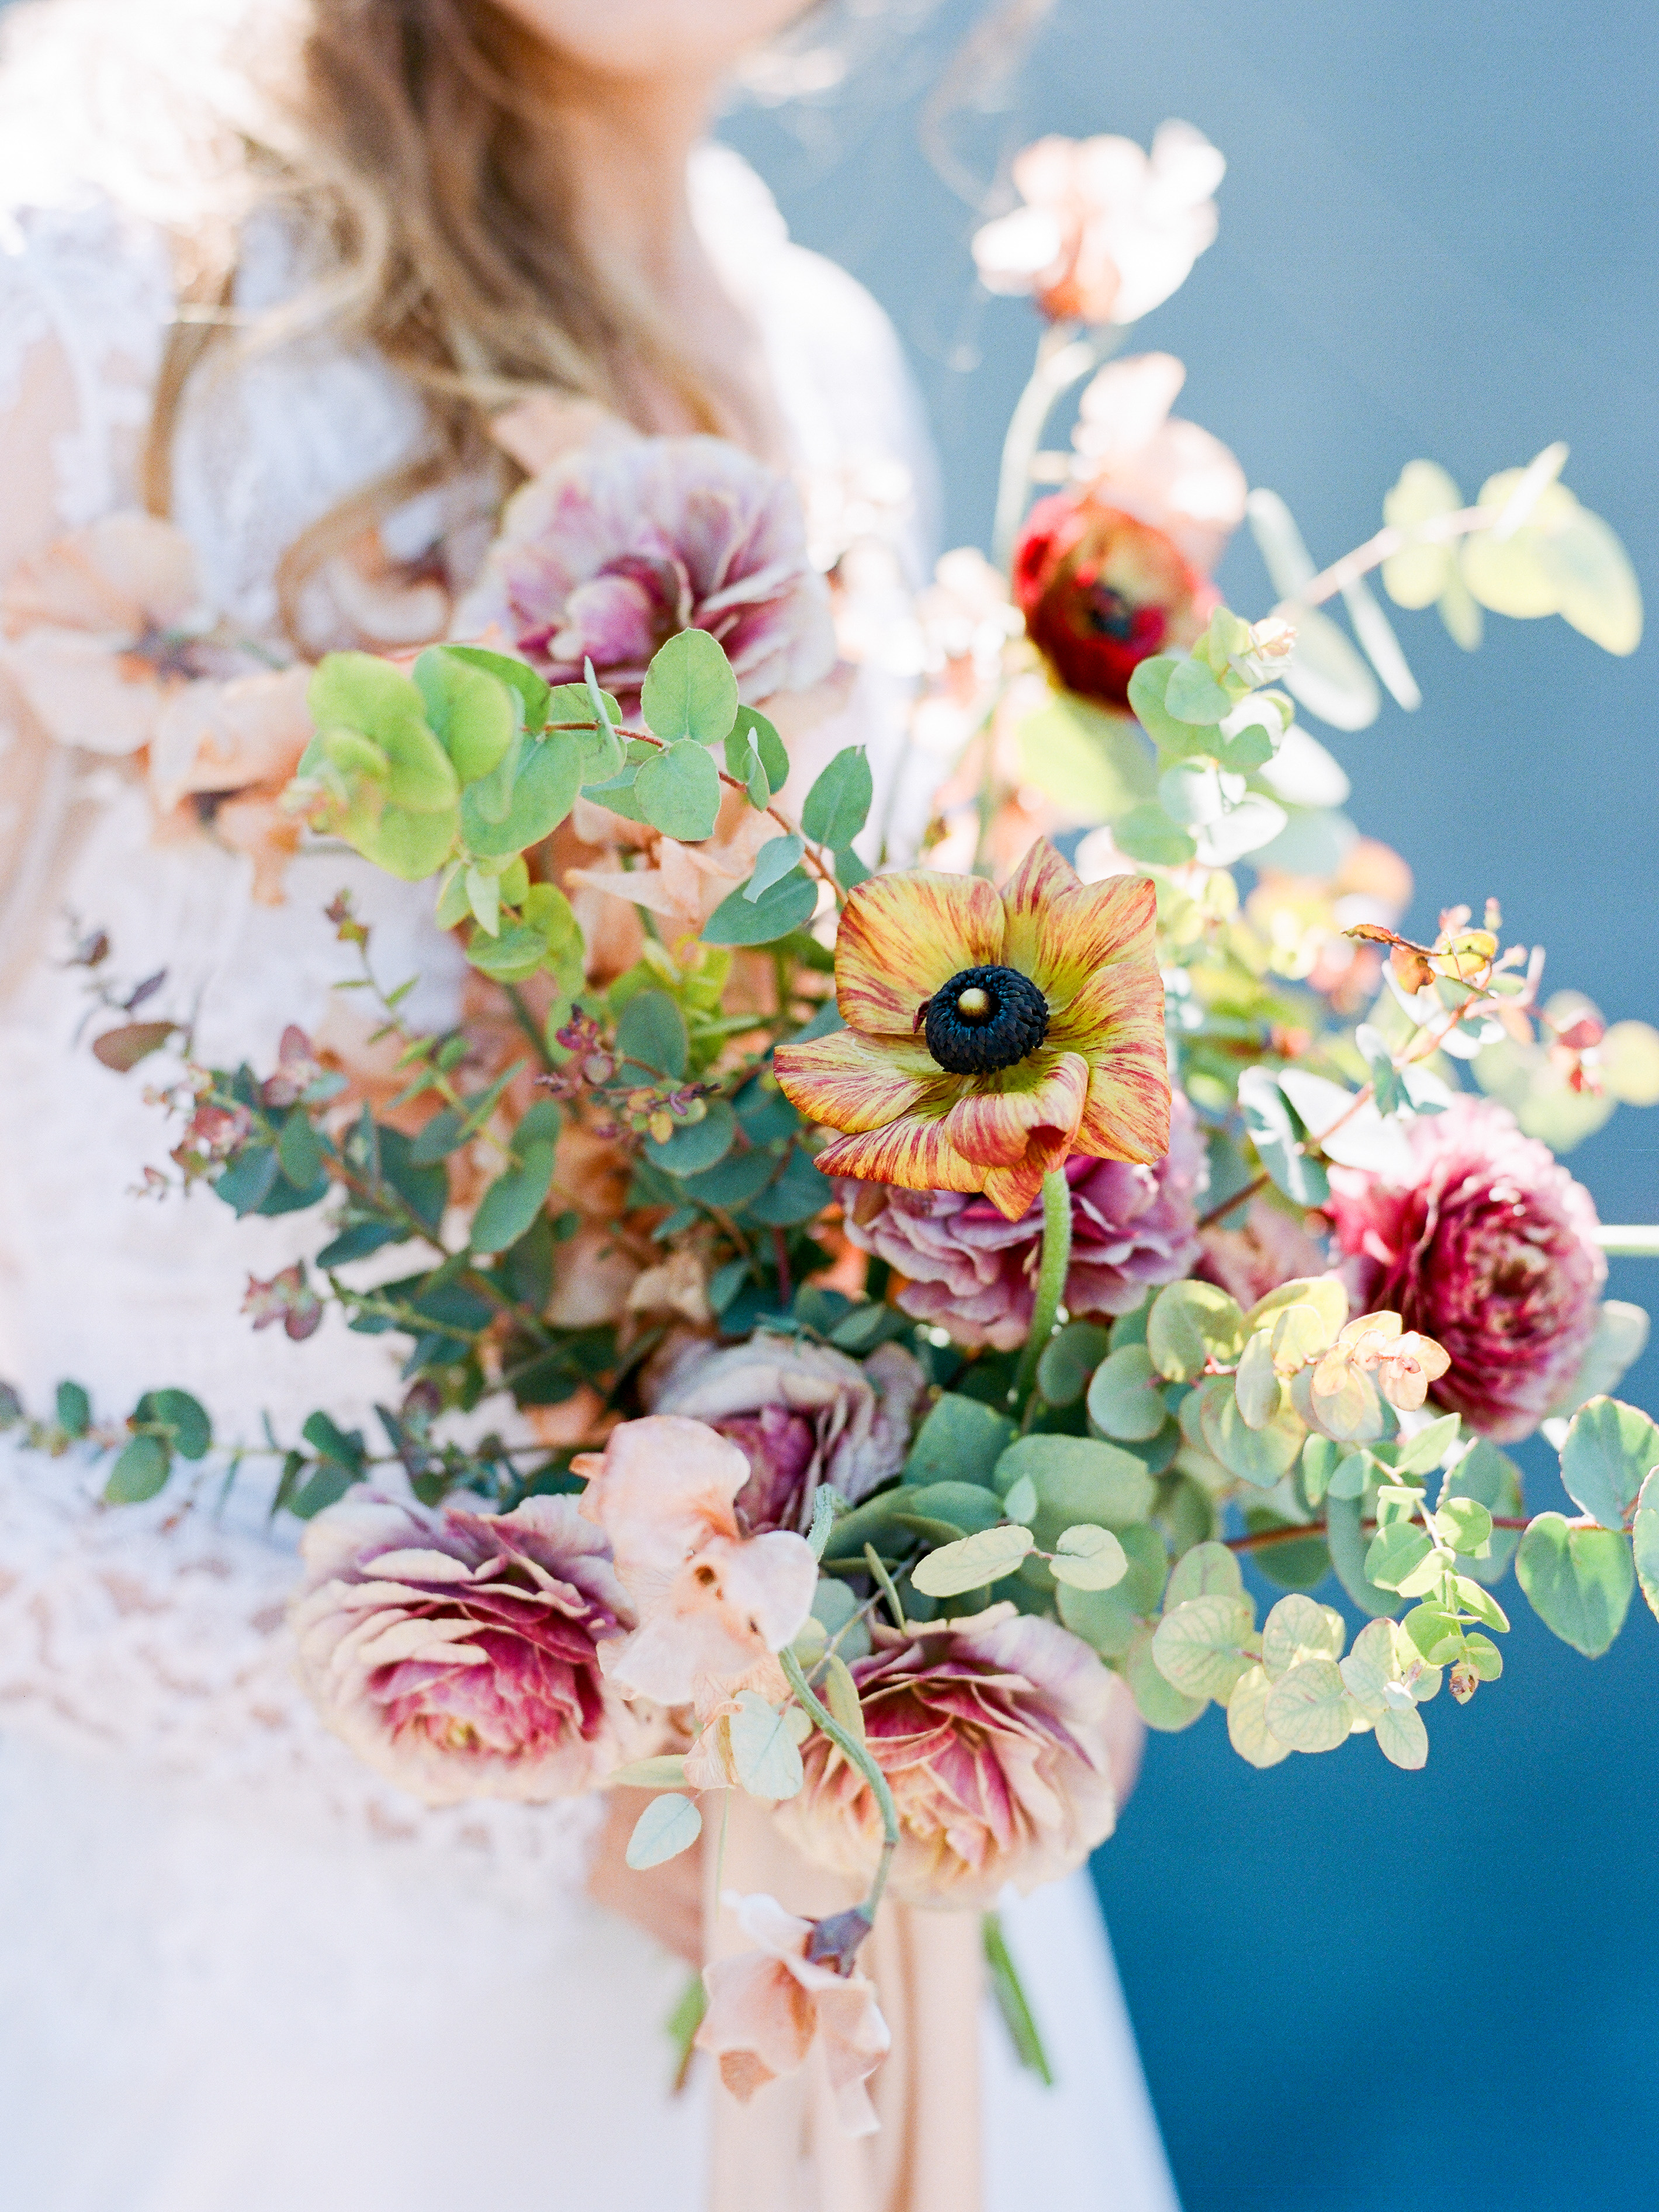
(1051, 1276)
(1063, 360)
(857, 1754)
(1630, 1240)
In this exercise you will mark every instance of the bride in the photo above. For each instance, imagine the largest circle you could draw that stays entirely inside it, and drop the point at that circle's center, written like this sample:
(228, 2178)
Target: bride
(275, 273)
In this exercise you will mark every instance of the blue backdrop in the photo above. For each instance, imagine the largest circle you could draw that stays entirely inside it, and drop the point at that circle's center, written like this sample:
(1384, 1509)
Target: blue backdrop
(1355, 1988)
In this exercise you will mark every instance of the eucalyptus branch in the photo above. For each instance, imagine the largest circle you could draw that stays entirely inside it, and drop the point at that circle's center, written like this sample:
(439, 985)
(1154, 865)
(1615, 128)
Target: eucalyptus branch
(858, 1755)
(1438, 529)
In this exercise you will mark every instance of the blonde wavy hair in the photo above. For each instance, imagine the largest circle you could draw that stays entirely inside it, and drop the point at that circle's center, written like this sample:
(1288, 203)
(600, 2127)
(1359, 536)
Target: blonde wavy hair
(405, 142)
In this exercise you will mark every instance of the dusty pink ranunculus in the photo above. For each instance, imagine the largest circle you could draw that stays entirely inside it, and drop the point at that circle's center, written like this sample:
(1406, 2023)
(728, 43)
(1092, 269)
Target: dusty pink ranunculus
(973, 1272)
(1491, 1250)
(621, 545)
(712, 1603)
(996, 1733)
(802, 1414)
(766, 2008)
(457, 1652)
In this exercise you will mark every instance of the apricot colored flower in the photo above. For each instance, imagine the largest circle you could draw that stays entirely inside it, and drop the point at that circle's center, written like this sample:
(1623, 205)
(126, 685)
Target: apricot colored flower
(1107, 232)
(712, 1603)
(1132, 453)
(989, 1035)
(768, 2007)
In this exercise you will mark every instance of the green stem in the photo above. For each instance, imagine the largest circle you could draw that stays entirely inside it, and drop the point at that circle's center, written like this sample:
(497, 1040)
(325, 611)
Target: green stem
(857, 1754)
(1051, 1277)
(1630, 1240)
(1012, 2002)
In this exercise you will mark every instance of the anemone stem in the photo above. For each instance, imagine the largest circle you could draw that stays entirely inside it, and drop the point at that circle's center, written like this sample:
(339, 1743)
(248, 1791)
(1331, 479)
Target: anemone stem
(1051, 1277)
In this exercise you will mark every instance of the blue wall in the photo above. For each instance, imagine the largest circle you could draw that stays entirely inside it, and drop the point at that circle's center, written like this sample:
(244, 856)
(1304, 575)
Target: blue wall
(1354, 1988)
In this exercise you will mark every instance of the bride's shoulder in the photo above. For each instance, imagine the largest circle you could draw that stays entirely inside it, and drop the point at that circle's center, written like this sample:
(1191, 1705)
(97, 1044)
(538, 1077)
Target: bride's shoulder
(821, 305)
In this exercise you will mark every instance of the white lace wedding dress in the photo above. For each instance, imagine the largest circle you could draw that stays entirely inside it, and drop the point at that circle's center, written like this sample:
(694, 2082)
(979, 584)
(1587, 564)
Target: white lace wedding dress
(238, 1973)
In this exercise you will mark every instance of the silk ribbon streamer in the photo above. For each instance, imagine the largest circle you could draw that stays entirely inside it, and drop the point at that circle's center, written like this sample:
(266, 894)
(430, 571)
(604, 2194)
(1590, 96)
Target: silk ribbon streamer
(784, 2152)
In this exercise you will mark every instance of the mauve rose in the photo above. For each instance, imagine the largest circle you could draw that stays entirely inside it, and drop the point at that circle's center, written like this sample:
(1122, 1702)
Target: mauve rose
(457, 1651)
(971, 1271)
(802, 1414)
(623, 544)
(1101, 592)
(996, 1734)
(1490, 1248)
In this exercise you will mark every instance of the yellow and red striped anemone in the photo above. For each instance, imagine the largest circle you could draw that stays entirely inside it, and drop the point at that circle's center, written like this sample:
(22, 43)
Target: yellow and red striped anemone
(989, 1035)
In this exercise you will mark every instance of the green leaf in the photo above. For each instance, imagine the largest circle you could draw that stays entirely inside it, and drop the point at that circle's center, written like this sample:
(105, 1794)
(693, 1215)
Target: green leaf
(546, 779)
(1298, 1629)
(140, 1472)
(1401, 1737)
(691, 692)
(1491, 1476)
(1146, 834)
(1209, 1570)
(1466, 1525)
(985, 1558)
(474, 715)
(1192, 694)
(344, 1447)
(361, 692)
(1259, 1456)
(325, 1487)
(519, 676)
(1096, 764)
(753, 745)
(788, 906)
(1610, 1450)
(513, 1201)
(1308, 1708)
(1247, 1721)
(1348, 1543)
(1278, 1133)
(186, 1417)
(298, 1152)
(1199, 1645)
(667, 1827)
(1068, 1360)
(698, 1145)
(1579, 1581)
(1396, 1553)
(74, 1409)
(763, 1751)
(772, 863)
(839, 802)
(961, 1440)
(409, 844)
(651, 1033)
(1189, 1325)
(1644, 1535)
(1160, 1703)
(1426, 1450)
(1089, 1558)
(799, 1193)
(1110, 1620)
(667, 1772)
(679, 791)
(1124, 1397)
(1078, 1479)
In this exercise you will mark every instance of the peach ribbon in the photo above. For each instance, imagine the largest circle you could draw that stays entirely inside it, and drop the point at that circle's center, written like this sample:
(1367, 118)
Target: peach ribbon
(783, 2152)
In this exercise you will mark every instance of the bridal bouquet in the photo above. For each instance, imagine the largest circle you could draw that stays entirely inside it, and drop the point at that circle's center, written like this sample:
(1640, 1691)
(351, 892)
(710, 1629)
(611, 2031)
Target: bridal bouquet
(857, 1318)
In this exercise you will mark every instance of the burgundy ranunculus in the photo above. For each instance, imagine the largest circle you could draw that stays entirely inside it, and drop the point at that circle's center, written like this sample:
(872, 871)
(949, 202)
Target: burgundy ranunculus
(457, 1652)
(1101, 592)
(973, 1274)
(802, 1414)
(624, 543)
(997, 1735)
(1491, 1249)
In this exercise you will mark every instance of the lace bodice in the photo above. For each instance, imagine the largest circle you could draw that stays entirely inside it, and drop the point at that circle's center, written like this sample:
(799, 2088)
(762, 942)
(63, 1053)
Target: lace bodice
(158, 1629)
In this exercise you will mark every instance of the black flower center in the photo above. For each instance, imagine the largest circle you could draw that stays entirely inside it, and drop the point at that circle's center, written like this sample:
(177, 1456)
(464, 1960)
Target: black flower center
(982, 1019)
